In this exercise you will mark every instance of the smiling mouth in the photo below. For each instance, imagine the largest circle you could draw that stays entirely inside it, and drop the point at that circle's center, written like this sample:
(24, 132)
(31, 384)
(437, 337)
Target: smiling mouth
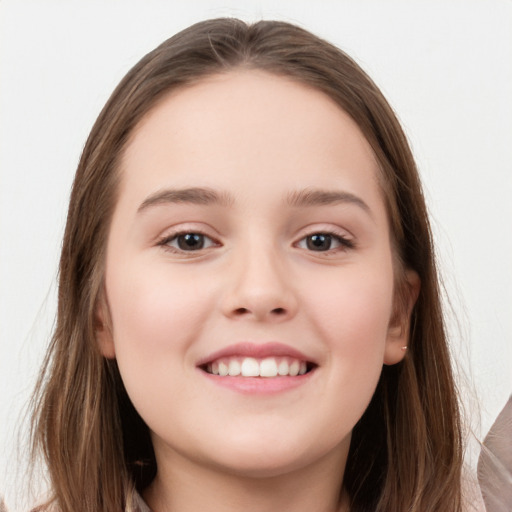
(268, 367)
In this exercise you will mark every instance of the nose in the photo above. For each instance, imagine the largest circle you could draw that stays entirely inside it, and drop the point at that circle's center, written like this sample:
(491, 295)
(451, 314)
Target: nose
(260, 288)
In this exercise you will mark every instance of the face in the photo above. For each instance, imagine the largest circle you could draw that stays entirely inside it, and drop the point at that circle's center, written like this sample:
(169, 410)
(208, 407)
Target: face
(249, 276)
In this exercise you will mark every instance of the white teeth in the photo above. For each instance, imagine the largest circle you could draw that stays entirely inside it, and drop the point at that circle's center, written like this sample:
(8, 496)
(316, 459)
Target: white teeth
(294, 368)
(223, 369)
(252, 367)
(234, 368)
(283, 368)
(268, 367)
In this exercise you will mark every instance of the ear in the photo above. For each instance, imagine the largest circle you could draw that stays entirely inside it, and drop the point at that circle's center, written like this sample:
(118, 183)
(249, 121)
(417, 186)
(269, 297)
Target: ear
(400, 322)
(103, 329)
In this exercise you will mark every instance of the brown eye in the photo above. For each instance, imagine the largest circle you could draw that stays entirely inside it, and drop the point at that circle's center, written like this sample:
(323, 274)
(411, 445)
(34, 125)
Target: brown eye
(324, 242)
(319, 242)
(188, 242)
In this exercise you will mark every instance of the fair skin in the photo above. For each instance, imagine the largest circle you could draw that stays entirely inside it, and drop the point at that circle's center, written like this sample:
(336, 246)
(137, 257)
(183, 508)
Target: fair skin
(250, 221)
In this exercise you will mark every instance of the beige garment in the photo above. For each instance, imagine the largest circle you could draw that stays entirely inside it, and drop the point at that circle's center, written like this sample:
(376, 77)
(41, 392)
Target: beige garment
(138, 504)
(495, 463)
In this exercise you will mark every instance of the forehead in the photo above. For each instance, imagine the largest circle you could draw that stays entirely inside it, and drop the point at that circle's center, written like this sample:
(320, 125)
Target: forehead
(248, 125)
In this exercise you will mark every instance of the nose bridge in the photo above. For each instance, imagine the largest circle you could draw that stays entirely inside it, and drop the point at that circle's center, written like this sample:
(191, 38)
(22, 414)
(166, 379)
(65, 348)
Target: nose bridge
(260, 287)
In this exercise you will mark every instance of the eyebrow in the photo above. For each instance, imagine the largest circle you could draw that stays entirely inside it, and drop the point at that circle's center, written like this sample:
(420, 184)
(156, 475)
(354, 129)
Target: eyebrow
(193, 195)
(206, 196)
(318, 197)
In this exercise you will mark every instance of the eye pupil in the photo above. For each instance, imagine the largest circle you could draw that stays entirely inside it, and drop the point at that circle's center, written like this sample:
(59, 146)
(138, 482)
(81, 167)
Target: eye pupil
(319, 242)
(190, 241)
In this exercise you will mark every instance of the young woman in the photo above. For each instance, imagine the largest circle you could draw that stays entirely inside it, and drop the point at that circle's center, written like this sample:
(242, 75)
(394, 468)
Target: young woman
(249, 311)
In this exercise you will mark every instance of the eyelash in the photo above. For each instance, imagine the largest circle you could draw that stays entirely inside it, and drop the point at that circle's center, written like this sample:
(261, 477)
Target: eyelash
(165, 242)
(345, 243)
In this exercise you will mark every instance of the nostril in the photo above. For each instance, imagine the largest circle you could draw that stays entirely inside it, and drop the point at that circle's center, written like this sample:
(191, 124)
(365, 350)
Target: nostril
(245, 311)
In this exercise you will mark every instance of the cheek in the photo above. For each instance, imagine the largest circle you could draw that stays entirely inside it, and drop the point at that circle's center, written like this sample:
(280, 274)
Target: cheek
(354, 318)
(354, 308)
(155, 316)
(352, 312)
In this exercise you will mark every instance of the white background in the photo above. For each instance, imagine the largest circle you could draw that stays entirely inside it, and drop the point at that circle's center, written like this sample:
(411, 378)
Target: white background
(446, 68)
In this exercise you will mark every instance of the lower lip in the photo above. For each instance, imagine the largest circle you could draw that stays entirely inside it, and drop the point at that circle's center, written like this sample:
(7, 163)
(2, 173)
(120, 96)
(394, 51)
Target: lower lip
(259, 385)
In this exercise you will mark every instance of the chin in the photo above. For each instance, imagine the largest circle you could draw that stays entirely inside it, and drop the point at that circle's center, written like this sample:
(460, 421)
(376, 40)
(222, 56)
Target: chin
(261, 467)
(270, 458)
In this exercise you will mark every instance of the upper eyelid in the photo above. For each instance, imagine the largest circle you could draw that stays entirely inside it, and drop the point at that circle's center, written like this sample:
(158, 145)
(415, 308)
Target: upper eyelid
(188, 227)
(171, 236)
(344, 240)
(327, 230)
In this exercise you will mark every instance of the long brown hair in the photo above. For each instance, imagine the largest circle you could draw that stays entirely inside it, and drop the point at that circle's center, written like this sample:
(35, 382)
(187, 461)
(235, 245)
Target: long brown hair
(405, 453)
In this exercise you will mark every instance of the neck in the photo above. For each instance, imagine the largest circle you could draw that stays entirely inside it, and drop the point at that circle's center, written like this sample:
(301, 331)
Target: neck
(195, 487)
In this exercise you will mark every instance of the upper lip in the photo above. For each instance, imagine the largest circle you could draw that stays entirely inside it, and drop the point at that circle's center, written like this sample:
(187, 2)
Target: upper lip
(256, 350)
